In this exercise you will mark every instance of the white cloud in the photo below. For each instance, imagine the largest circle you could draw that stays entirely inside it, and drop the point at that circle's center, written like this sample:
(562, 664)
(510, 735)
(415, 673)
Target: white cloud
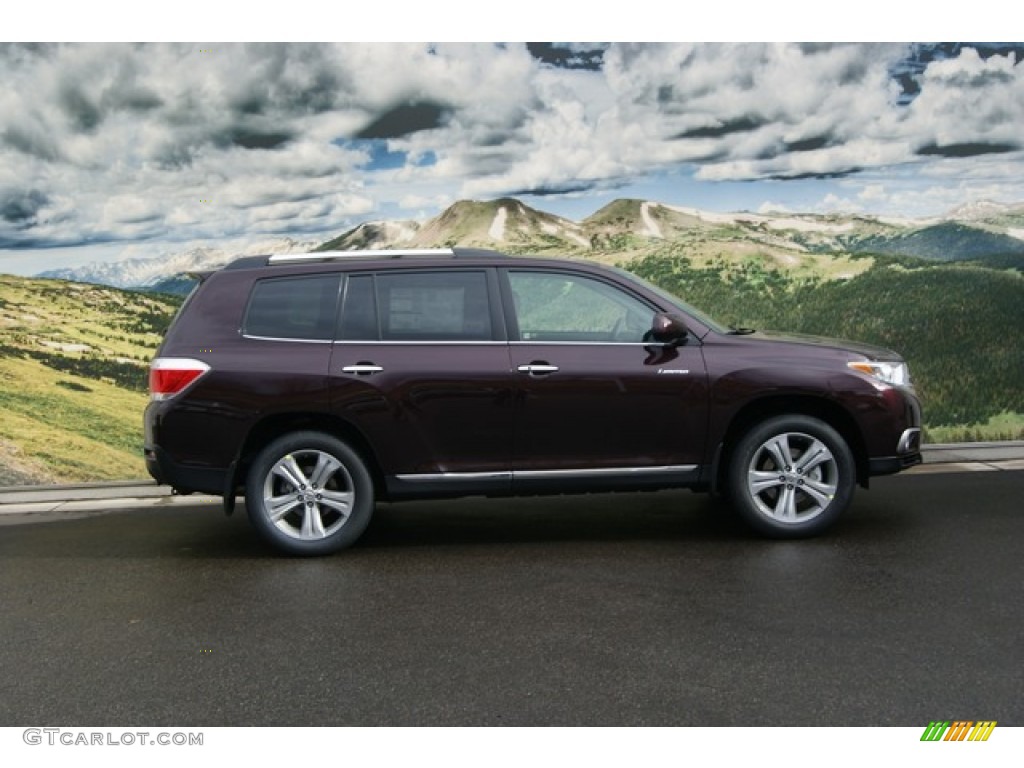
(832, 203)
(115, 141)
(872, 192)
(968, 99)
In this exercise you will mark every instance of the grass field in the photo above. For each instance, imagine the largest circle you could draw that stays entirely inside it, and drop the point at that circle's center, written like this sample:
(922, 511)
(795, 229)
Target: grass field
(1004, 426)
(70, 428)
(73, 367)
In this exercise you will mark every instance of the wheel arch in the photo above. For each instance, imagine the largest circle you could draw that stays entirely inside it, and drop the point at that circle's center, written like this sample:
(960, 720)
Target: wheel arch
(763, 408)
(276, 425)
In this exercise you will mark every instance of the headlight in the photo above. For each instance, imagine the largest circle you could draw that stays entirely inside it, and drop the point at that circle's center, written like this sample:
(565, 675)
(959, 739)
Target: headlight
(897, 374)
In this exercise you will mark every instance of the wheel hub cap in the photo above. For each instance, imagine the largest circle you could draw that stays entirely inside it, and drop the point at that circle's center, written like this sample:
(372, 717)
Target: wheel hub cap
(792, 477)
(308, 495)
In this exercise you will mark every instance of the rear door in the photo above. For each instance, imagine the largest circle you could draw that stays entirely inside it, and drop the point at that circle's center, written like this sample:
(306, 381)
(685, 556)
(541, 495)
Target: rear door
(421, 368)
(593, 399)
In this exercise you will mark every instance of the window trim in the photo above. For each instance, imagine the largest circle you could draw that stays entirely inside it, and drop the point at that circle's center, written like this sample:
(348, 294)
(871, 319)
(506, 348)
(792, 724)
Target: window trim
(283, 338)
(348, 277)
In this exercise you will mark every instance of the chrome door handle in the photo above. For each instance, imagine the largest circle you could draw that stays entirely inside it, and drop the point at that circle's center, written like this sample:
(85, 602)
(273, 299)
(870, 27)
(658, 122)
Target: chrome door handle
(362, 369)
(538, 369)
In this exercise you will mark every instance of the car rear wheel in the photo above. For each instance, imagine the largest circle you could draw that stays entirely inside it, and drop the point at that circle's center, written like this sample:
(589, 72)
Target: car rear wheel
(308, 493)
(791, 476)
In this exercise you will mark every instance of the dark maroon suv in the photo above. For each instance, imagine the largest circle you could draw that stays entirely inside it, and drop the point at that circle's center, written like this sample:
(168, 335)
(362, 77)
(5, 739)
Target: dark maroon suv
(319, 383)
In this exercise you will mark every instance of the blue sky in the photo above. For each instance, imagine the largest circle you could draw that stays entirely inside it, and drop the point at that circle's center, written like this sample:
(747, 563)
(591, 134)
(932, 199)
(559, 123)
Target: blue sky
(111, 151)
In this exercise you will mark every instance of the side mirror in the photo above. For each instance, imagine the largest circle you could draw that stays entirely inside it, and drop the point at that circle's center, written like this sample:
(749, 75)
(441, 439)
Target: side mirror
(667, 328)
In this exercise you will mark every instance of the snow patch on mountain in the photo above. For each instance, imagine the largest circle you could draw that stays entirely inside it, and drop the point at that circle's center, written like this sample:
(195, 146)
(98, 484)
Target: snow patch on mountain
(979, 209)
(778, 223)
(708, 216)
(803, 225)
(651, 228)
(497, 230)
(901, 221)
(565, 228)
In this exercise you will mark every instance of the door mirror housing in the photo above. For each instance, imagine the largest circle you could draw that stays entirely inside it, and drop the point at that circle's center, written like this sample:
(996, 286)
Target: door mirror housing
(667, 328)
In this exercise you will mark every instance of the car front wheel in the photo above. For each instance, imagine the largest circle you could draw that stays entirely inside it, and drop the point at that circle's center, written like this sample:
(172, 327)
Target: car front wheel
(791, 476)
(308, 493)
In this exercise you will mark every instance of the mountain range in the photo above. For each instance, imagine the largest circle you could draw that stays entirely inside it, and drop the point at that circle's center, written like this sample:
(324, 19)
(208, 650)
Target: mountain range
(148, 272)
(629, 228)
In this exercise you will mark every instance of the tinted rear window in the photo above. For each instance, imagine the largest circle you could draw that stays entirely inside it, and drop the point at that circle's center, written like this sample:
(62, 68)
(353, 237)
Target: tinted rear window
(293, 308)
(417, 306)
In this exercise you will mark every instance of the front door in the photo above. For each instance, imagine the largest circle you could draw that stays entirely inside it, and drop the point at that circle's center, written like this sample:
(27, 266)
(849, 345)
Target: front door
(593, 399)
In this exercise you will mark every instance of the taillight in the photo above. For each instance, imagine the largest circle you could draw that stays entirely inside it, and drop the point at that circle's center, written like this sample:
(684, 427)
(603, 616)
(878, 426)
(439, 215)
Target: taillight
(170, 375)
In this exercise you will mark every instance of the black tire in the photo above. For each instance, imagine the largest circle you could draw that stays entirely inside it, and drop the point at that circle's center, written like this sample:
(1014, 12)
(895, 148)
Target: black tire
(324, 489)
(791, 477)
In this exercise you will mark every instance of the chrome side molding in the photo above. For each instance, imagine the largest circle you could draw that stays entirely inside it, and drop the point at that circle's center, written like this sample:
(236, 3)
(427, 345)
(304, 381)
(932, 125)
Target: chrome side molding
(542, 474)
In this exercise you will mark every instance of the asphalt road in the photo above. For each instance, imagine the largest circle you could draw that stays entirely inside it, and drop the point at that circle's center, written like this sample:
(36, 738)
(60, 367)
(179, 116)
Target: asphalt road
(639, 609)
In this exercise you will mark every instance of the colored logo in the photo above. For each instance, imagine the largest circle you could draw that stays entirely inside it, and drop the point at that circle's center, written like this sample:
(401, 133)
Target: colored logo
(958, 730)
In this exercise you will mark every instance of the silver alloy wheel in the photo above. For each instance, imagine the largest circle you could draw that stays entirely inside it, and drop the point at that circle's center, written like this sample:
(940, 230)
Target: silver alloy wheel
(792, 477)
(308, 495)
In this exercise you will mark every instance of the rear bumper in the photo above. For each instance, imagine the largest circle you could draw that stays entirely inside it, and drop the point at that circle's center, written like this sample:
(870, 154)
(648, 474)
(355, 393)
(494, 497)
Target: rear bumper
(184, 478)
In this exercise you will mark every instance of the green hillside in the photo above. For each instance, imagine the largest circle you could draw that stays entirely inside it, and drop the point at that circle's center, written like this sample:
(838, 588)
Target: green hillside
(948, 241)
(73, 370)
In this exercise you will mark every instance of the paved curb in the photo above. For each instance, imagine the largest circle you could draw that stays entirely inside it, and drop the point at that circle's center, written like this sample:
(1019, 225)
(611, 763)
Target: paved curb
(953, 452)
(134, 494)
(94, 497)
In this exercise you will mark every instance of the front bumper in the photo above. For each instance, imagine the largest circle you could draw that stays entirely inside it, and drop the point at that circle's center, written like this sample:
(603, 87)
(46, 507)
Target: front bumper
(890, 465)
(908, 454)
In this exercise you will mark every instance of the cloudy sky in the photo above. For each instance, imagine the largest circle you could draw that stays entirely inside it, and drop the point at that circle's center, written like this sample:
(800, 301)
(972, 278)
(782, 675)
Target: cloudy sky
(117, 150)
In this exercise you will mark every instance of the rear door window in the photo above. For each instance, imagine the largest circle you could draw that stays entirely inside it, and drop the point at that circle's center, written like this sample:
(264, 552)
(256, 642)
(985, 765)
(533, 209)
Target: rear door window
(417, 306)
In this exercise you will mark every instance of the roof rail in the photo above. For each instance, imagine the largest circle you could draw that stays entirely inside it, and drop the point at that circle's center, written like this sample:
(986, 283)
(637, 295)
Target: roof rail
(375, 253)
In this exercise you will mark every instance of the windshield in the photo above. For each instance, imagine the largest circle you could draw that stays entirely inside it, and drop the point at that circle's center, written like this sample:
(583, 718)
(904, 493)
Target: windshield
(674, 301)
